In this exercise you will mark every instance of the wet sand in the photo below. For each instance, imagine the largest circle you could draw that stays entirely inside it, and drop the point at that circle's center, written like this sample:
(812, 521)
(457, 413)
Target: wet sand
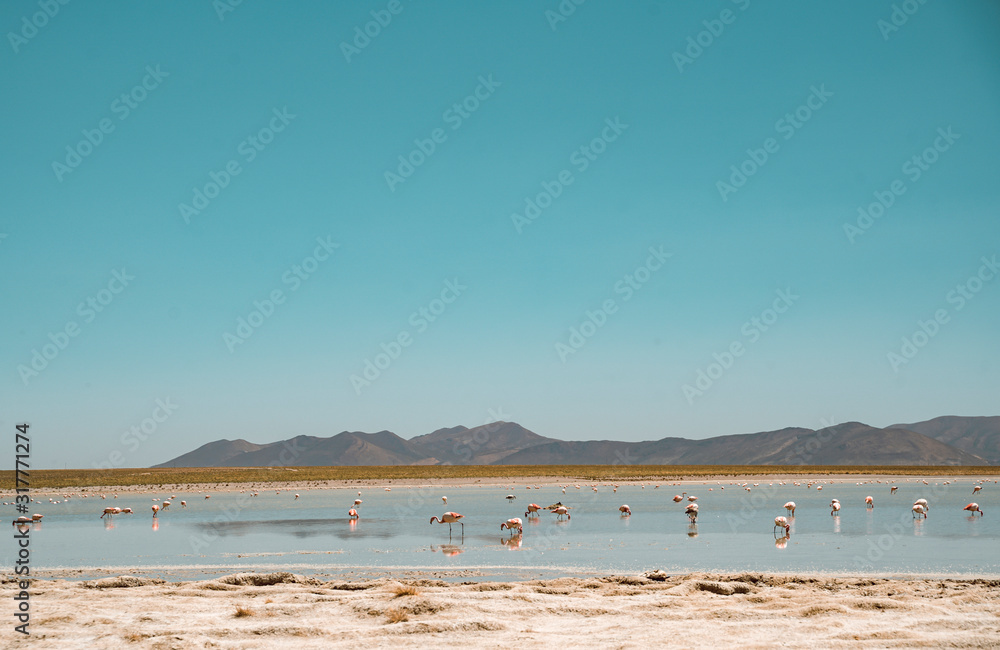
(283, 610)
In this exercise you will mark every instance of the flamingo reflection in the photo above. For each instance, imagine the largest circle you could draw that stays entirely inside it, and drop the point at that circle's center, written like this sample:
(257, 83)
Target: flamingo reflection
(782, 542)
(447, 549)
(692, 530)
(512, 543)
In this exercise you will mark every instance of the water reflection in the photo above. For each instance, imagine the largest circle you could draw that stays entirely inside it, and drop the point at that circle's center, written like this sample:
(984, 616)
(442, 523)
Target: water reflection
(692, 530)
(782, 542)
(512, 543)
(918, 527)
(447, 549)
(836, 524)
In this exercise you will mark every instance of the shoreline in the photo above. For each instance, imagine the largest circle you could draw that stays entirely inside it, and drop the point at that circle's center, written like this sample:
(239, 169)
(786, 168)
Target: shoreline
(286, 610)
(519, 482)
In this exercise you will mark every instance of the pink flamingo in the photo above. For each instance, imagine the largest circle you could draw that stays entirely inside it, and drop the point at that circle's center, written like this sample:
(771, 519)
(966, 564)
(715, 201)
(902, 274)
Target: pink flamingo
(678, 498)
(533, 509)
(352, 513)
(973, 508)
(625, 510)
(357, 502)
(790, 507)
(155, 510)
(977, 489)
(511, 524)
(450, 518)
(126, 511)
(110, 512)
(560, 511)
(919, 510)
(870, 502)
(893, 489)
(36, 517)
(834, 507)
(782, 522)
(692, 512)
(184, 504)
(922, 502)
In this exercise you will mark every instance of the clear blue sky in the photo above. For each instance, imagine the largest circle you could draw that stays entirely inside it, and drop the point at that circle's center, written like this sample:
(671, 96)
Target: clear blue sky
(868, 98)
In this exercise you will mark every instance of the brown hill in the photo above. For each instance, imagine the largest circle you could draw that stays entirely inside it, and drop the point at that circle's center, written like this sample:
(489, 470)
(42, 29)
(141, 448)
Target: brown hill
(976, 435)
(483, 445)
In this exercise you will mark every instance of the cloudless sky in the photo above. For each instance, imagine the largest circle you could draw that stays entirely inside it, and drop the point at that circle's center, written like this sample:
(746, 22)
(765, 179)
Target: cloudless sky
(847, 96)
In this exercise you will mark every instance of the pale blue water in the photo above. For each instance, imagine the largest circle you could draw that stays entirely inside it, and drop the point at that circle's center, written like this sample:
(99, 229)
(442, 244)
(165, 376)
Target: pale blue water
(233, 531)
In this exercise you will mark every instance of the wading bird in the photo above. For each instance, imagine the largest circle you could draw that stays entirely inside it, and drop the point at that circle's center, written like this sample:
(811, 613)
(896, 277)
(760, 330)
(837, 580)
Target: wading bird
(450, 518)
(352, 513)
(782, 522)
(533, 509)
(560, 511)
(510, 497)
(357, 502)
(977, 489)
(922, 502)
(973, 508)
(790, 507)
(893, 489)
(870, 502)
(835, 507)
(511, 524)
(692, 512)
(155, 510)
(625, 510)
(919, 510)
(678, 498)
(444, 500)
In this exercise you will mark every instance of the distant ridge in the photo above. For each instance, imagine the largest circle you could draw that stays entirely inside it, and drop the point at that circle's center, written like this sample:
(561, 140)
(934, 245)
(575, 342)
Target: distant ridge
(949, 440)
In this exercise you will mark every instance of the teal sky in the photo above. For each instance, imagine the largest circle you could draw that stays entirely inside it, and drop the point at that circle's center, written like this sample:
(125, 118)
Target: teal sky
(847, 102)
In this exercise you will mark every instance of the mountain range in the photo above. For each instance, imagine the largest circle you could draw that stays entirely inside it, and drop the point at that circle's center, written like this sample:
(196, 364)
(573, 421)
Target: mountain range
(948, 440)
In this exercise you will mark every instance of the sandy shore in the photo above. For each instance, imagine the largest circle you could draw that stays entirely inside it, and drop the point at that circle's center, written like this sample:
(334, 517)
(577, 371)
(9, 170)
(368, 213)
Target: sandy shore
(282, 610)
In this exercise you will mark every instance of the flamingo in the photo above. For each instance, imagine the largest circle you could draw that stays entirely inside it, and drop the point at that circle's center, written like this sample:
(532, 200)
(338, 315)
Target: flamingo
(510, 497)
(782, 522)
(922, 502)
(450, 518)
(21, 521)
(110, 512)
(296, 497)
(533, 509)
(692, 499)
(919, 510)
(184, 504)
(692, 512)
(790, 507)
(352, 513)
(164, 506)
(977, 489)
(893, 489)
(36, 517)
(208, 496)
(155, 510)
(357, 502)
(127, 511)
(560, 511)
(870, 502)
(835, 508)
(625, 510)
(678, 498)
(511, 524)
(973, 508)
(444, 500)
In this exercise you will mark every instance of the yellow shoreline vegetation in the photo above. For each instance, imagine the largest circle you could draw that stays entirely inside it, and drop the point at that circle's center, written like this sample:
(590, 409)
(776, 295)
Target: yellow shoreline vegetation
(60, 478)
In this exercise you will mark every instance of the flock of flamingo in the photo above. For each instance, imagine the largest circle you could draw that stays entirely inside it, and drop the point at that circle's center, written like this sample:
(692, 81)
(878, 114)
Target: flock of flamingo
(515, 525)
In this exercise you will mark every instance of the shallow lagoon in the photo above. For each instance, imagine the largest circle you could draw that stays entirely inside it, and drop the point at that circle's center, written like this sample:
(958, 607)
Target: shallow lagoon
(312, 534)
